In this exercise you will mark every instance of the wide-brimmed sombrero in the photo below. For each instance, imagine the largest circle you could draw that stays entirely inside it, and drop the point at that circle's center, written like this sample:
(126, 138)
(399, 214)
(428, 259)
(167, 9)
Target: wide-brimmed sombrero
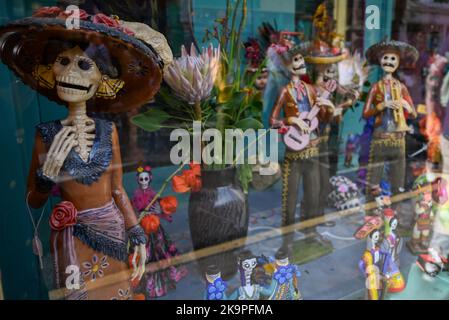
(320, 52)
(138, 53)
(371, 223)
(407, 53)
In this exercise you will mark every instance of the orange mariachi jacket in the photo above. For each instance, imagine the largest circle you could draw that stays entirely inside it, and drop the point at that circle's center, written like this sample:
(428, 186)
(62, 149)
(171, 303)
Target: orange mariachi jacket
(287, 103)
(377, 95)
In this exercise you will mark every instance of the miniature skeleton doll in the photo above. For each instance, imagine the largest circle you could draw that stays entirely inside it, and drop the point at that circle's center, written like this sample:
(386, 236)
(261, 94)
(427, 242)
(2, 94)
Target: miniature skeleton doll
(382, 196)
(351, 147)
(80, 68)
(302, 109)
(160, 248)
(373, 262)
(249, 289)
(216, 286)
(390, 104)
(392, 244)
(284, 284)
(424, 216)
(440, 237)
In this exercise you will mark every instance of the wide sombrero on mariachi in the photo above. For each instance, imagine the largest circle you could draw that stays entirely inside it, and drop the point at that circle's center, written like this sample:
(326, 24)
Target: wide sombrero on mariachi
(138, 53)
(320, 52)
(408, 54)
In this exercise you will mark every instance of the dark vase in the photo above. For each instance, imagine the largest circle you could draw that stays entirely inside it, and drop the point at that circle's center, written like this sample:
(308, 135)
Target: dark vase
(218, 213)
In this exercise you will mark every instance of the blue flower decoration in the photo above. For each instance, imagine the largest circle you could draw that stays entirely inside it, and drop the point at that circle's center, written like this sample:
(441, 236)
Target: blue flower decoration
(285, 273)
(216, 290)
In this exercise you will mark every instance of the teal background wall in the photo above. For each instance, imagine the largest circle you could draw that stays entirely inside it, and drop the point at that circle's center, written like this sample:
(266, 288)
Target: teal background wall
(21, 109)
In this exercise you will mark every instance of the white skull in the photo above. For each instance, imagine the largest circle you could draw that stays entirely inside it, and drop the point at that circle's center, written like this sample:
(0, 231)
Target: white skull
(249, 264)
(297, 65)
(390, 62)
(394, 224)
(77, 76)
(375, 236)
(144, 180)
(331, 72)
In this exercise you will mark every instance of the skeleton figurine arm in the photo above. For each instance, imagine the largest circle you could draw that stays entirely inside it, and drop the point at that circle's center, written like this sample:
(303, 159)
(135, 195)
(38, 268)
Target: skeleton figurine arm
(407, 103)
(368, 110)
(136, 234)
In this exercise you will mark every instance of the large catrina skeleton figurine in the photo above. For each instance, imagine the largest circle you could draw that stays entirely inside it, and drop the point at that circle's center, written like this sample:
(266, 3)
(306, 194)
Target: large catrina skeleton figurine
(103, 66)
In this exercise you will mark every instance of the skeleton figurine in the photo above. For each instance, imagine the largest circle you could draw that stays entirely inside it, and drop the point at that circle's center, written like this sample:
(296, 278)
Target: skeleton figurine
(95, 224)
(374, 260)
(424, 216)
(392, 244)
(284, 284)
(298, 98)
(216, 287)
(390, 104)
(249, 290)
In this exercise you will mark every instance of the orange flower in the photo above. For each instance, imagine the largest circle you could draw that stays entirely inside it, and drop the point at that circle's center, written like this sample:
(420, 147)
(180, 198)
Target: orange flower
(189, 180)
(169, 205)
(139, 296)
(150, 223)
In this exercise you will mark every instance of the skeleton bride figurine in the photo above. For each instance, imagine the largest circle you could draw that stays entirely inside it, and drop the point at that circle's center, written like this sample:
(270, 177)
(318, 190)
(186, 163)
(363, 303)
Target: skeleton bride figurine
(102, 66)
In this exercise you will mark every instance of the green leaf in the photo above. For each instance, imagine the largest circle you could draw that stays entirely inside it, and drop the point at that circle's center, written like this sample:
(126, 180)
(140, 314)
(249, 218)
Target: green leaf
(150, 120)
(245, 176)
(249, 123)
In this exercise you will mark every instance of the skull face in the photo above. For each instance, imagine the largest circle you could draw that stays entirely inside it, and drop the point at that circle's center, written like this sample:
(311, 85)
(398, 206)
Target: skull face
(297, 65)
(394, 224)
(330, 73)
(390, 62)
(261, 81)
(249, 264)
(77, 76)
(375, 236)
(144, 180)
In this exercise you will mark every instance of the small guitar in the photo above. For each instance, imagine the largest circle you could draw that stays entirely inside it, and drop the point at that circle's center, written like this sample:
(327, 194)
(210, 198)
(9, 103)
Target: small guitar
(296, 140)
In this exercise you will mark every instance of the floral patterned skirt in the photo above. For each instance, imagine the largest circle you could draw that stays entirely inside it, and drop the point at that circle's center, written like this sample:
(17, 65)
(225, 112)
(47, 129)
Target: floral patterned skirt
(157, 284)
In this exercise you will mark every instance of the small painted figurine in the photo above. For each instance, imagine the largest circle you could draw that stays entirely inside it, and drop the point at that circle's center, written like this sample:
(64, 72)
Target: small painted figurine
(159, 246)
(351, 147)
(249, 289)
(302, 109)
(390, 104)
(440, 237)
(424, 216)
(382, 196)
(373, 262)
(284, 284)
(392, 244)
(216, 286)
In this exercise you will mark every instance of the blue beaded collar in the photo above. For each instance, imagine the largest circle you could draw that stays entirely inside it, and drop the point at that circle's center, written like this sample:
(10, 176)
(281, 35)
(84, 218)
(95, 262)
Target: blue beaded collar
(99, 158)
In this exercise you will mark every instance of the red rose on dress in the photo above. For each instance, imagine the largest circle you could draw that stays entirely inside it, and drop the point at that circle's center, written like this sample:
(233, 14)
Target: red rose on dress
(104, 19)
(47, 12)
(83, 15)
(169, 205)
(63, 215)
(128, 31)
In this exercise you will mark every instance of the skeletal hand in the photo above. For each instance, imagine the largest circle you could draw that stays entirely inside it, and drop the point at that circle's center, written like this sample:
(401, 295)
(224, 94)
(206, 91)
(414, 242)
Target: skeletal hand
(302, 125)
(395, 105)
(63, 142)
(139, 268)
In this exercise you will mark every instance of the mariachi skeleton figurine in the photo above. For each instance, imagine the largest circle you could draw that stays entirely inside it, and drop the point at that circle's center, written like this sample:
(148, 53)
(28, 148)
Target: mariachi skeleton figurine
(160, 248)
(424, 216)
(392, 244)
(302, 108)
(324, 59)
(373, 262)
(216, 286)
(390, 104)
(284, 284)
(101, 66)
(249, 289)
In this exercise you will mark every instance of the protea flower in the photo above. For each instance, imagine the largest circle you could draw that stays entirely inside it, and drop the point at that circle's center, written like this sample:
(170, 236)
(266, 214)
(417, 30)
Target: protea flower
(353, 71)
(192, 76)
